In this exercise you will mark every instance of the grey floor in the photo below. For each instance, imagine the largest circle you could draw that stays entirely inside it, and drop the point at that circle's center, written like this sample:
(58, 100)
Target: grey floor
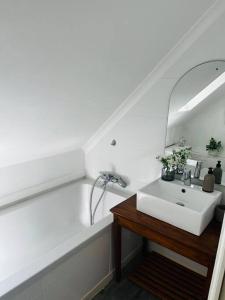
(125, 290)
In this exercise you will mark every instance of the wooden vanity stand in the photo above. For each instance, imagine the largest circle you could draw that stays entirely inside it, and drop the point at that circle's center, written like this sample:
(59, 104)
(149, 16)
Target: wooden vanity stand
(157, 274)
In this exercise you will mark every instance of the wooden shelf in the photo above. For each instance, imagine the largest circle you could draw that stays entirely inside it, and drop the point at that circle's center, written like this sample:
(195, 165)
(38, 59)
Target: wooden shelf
(168, 280)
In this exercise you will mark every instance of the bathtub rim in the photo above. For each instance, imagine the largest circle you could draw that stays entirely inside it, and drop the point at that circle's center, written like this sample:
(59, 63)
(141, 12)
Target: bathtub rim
(30, 193)
(72, 242)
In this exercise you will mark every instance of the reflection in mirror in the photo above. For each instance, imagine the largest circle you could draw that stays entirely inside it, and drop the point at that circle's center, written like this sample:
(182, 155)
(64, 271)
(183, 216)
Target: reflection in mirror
(196, 118)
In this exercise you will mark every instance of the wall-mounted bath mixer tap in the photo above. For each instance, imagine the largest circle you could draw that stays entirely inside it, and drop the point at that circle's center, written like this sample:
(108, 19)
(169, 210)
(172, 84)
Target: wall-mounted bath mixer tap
(106, 177)
(114, 178)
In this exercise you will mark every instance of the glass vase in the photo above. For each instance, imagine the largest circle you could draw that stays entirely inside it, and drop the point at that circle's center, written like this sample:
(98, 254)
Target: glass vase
(168, 174)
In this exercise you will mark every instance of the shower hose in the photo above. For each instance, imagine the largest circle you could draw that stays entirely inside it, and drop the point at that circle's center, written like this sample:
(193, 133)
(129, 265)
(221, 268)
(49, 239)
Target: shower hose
(91, 210)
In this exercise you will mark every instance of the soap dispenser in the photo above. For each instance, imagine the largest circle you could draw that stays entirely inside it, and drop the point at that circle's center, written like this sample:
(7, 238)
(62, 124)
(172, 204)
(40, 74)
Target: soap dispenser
(209, 181)
(218, 172)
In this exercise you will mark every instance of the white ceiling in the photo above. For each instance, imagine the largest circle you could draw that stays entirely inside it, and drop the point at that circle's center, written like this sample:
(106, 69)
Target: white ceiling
(66, 65)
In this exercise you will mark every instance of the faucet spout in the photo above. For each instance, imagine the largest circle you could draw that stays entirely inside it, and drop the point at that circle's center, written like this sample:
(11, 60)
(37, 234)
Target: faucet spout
(121, 182)
(186, 177)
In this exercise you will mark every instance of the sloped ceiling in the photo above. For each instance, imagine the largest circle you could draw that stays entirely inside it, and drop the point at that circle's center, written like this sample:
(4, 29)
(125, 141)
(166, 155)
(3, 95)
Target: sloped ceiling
(66, 65)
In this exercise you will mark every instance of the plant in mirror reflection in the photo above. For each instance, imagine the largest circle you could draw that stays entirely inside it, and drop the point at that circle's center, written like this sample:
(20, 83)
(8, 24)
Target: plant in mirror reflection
(214, 146)
(181, 159)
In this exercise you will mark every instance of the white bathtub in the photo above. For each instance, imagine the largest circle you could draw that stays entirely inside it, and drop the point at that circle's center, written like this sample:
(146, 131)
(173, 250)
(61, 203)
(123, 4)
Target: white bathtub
(37, 232)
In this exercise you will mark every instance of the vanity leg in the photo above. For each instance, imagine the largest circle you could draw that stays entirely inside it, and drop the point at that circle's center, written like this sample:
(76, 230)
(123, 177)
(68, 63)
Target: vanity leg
(117, 248)
(144, 246)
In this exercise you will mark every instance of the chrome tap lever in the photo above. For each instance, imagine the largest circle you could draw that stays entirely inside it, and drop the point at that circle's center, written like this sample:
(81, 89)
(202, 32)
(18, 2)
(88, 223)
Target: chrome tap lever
(114, 178)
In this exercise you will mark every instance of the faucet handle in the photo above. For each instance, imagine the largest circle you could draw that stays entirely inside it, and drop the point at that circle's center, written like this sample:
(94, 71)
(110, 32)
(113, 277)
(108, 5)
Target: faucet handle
(108, 176)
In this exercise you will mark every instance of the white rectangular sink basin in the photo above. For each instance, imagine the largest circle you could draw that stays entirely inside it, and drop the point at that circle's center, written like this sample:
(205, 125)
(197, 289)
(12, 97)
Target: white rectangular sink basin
(186, 207)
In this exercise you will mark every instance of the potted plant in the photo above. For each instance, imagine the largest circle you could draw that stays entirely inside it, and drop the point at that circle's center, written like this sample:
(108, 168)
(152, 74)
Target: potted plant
(173, 163)
(168, 170)
(214, 147)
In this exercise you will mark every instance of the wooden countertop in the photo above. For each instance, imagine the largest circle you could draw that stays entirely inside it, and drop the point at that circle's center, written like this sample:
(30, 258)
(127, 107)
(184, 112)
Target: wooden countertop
(206, 243)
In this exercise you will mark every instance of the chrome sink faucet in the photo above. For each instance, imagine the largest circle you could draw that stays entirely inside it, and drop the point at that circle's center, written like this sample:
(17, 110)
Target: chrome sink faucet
(186, 177)
(114, 178)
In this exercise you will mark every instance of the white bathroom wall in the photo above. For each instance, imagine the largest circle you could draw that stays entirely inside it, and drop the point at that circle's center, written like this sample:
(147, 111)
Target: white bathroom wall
(210, 122)
(21, 180)
(141, 132)
(140, 138)
(204, 122)
(174, 133)
(65, 66)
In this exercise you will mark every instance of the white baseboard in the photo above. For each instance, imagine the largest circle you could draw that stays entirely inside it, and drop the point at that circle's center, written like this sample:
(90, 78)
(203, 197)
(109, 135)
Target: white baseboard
(99, 287)
(105, 281)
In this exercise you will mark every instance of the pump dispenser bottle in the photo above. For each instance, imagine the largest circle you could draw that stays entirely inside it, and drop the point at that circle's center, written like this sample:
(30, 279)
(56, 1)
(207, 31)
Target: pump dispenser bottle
(218, 173)
(209, 181)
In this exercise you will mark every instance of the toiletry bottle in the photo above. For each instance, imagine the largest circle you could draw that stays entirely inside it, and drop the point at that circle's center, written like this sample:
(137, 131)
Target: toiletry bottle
(218, 172)
(209, 181)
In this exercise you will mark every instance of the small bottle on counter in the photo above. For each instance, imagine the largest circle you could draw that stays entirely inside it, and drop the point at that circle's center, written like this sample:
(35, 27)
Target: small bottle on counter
(218, 173)
(208, 182)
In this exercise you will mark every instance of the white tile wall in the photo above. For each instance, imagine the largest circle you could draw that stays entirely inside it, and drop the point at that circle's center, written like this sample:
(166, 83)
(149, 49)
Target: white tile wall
(16, 179)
